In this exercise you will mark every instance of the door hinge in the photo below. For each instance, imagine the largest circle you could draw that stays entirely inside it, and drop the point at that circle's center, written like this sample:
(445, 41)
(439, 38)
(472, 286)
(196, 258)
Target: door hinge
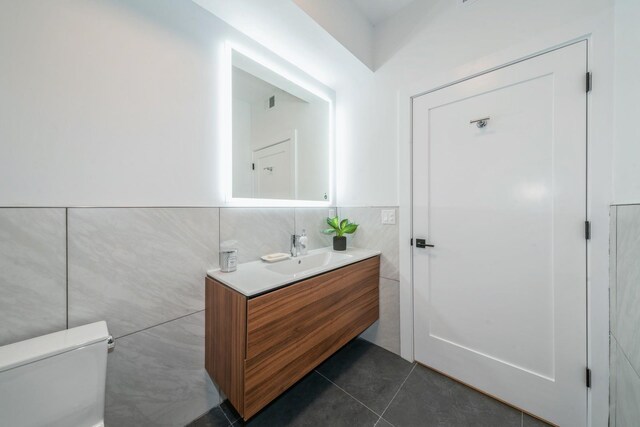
(253, 166)
(411, 243)
(589, 82)
(588, 378)
(587, 230)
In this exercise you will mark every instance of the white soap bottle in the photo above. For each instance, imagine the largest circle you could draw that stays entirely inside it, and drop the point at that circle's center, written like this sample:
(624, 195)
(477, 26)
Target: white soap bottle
(303, 242)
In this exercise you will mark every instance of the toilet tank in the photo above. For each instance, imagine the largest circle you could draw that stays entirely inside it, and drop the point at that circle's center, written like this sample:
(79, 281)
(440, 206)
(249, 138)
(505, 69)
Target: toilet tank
(56, 379)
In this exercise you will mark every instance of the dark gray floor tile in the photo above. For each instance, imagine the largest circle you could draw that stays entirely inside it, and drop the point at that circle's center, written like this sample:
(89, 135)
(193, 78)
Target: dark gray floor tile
(213, 418)
(383, 423)
(529, 421)
(229, 411)
(313, 401)
(369, 373)
(431, 399)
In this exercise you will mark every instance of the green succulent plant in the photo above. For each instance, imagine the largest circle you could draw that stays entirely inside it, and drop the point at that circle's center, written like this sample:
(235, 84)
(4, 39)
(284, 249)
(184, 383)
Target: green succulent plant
(340, 228)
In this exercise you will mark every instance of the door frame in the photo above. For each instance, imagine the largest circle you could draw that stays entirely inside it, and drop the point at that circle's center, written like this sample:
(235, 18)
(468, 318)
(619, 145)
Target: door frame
(599, 196)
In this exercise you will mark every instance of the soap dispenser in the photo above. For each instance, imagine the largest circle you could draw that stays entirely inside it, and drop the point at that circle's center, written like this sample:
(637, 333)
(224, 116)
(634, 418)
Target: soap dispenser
(303, 242)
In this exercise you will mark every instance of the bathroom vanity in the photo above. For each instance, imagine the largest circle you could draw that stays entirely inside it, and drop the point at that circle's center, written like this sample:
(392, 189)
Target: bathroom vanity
(268, 325)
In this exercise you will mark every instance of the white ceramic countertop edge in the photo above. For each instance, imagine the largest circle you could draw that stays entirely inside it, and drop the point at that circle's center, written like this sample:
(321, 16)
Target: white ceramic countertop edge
(253, 278)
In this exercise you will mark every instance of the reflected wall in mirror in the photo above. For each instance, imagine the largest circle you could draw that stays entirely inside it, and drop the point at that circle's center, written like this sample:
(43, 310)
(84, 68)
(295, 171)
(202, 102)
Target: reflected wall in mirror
(281, 135)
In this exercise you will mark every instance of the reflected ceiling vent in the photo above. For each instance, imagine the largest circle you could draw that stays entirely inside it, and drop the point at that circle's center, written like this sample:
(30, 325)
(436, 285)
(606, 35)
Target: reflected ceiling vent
(465, 2)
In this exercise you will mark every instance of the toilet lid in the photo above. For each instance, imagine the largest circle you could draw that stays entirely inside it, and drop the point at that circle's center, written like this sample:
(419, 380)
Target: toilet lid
(31, 350)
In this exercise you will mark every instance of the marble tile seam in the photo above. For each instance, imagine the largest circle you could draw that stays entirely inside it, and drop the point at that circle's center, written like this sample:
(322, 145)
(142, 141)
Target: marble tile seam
(624, 354)
(159, 324)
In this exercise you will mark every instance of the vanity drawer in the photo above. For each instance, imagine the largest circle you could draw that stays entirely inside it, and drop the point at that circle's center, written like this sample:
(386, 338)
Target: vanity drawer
(292, 330)
(288, 315)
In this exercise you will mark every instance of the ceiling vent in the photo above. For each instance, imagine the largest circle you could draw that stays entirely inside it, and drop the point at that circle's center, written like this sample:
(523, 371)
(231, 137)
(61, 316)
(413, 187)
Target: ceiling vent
(465, 2)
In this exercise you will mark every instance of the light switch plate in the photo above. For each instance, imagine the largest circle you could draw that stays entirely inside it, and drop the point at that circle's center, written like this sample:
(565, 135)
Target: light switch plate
(332, 212)
(388, 216)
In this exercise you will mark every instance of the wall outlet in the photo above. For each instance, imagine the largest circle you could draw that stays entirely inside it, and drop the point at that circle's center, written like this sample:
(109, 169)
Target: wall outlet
(388, 216)
(331, 213)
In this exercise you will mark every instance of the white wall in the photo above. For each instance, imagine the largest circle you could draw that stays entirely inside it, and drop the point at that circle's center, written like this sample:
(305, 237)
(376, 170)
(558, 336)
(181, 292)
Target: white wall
(107, 103)
(115, 103)
(627, 95)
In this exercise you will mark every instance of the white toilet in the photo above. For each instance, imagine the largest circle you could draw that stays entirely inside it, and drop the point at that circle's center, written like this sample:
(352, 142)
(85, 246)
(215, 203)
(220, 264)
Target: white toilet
(56, 379)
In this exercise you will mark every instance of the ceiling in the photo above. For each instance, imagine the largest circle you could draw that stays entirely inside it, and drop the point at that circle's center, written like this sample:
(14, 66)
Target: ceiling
(377, 11)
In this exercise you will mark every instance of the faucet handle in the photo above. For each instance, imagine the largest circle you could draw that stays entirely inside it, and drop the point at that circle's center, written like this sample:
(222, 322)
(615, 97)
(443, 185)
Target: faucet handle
(295, 240)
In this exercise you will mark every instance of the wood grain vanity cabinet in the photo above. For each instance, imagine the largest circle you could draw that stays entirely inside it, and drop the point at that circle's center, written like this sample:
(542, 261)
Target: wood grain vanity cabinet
(257, 347)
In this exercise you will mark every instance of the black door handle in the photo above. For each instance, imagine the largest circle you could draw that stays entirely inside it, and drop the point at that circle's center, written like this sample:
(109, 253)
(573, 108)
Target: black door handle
(422, 243)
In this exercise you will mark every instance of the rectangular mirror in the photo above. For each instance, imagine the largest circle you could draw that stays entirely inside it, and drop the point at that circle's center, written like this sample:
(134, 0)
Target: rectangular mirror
(281, 136)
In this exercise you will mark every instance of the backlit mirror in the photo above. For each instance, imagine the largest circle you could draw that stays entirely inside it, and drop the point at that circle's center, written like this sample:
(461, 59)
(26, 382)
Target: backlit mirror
(281, 135)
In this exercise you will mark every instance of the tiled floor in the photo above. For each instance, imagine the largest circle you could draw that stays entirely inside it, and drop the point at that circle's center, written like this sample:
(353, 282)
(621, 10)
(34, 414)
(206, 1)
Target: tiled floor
(365, 385)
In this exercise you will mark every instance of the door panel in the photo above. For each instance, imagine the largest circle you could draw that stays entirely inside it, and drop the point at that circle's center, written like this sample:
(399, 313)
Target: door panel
(500, 301)
(274, 175)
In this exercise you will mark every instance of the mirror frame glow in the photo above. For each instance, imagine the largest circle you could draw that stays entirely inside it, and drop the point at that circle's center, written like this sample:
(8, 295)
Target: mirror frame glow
(288, 71)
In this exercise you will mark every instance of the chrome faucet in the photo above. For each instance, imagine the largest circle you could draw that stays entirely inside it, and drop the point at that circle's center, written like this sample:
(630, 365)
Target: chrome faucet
(295, 245)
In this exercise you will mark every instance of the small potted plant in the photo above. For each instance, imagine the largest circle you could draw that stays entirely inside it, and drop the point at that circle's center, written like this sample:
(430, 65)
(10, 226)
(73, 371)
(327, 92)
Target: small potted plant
(340, 228)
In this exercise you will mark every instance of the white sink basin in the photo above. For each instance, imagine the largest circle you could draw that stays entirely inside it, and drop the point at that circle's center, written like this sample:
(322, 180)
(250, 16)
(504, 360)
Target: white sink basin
(303, 264)
(256, 277)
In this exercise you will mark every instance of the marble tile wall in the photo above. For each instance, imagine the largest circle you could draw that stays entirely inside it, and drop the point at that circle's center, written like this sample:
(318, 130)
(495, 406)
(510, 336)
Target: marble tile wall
(138, 267)
(386, 331)
(142, 270)
(313, 221)
(625, 316)
(256, 231)
(372, 234)
(157, 376)
(33, 289)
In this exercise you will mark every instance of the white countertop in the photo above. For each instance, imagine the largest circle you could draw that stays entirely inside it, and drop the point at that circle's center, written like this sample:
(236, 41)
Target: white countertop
(256, 277)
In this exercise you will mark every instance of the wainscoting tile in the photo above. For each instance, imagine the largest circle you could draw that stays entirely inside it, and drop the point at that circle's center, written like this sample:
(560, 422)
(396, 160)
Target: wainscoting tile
(256, 231)
(613, 245)
(628, 282)
(314, 220)
(613, 377)
(371, 234)
(138, 267)
(33, 273)
(628, 394)
(386, 331)
(157, 376)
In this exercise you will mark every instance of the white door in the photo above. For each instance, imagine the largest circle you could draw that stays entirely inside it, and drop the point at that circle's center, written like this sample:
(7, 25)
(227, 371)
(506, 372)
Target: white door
(274, 171)
(500, 300)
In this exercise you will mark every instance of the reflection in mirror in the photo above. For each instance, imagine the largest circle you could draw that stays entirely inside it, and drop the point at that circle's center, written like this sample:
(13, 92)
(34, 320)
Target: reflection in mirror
(280, 136)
